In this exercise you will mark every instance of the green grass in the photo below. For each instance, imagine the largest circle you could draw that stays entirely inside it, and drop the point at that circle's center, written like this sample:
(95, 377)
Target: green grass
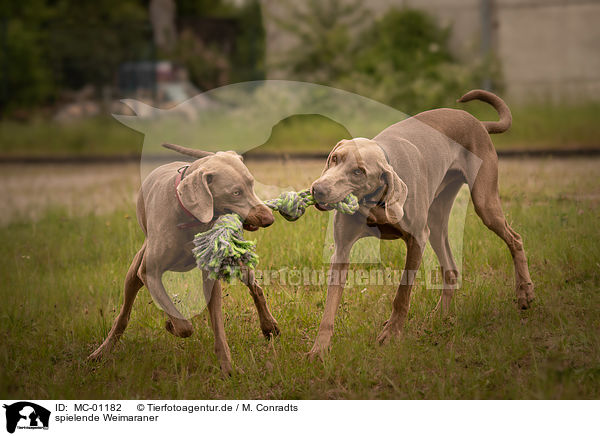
(93, 136)
(534, 127)
(61, 289)
(537, 126)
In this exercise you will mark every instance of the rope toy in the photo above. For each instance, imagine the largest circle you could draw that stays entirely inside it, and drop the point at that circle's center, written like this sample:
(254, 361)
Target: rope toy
(223, 251)
(292, 205)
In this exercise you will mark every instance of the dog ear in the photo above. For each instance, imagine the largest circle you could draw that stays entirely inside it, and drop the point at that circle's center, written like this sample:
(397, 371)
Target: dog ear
(395, 196)
(233, 153)
(195, 195)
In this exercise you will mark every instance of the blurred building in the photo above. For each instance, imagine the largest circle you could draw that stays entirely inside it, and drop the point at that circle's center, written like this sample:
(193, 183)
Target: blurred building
(548, 49)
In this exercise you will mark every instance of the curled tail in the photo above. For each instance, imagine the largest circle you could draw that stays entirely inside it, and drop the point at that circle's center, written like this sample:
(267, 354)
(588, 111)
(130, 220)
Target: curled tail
(505, 117)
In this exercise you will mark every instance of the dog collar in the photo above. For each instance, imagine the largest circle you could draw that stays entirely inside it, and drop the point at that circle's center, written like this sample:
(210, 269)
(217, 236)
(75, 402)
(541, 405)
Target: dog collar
(195, 223)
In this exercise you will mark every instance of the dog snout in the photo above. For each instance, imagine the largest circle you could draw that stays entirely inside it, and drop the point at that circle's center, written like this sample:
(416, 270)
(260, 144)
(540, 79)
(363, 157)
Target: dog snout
(260, 216)
(267, 218)
(318, 192)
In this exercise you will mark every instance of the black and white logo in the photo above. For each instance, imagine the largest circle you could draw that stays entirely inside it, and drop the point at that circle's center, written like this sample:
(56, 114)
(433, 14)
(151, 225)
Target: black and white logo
(26, 415)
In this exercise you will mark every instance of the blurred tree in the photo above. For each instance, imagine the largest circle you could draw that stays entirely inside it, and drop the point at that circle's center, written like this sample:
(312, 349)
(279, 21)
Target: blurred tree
(205, 8)
(47, 46)
(248, 61)
(50, 46)
(208, 67)
(405, 60)
(323, 51)
(162, 16)
(220, 43)
(402, 59)
(88, 40)
(25, 74)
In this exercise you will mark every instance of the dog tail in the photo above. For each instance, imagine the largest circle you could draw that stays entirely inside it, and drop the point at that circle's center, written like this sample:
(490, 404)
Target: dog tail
(188, 151)
(505, 117)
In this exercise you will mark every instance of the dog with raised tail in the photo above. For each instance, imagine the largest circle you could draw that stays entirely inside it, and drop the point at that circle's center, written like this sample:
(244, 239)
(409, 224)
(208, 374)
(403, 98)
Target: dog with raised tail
(406, 180)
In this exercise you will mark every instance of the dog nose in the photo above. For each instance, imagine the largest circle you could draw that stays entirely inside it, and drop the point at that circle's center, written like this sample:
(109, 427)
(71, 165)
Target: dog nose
(268, 219)
(261, 216)
(317, 192)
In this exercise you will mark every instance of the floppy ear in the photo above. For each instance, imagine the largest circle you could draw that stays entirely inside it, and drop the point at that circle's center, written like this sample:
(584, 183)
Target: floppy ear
(196, 196)
(395, 196)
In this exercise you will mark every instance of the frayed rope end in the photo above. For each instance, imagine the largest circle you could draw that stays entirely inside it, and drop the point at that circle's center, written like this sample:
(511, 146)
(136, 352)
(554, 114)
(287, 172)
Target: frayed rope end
(223, 251)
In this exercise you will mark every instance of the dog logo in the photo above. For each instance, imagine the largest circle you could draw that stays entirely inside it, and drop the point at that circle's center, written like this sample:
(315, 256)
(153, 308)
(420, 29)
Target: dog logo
(26, 415)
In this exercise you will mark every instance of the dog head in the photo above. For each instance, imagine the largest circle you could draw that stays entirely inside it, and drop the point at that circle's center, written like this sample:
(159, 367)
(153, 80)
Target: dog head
(359, 166)
(220, 183)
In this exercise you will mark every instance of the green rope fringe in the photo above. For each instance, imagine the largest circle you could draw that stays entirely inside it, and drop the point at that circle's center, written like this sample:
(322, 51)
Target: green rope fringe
(223, 251)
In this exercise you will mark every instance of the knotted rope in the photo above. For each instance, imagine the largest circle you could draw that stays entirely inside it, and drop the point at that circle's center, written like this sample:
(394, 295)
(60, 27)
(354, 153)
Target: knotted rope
(292, 205)
(223, 251)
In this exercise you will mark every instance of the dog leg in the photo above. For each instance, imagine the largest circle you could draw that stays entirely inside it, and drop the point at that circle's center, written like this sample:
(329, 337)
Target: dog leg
(437, 221)
(268, 324)
(450, 278)
(337, 280)
(346, 232)
(133, 283)
(393, 326)
(487, 205)
(176, 324)
(212, 294)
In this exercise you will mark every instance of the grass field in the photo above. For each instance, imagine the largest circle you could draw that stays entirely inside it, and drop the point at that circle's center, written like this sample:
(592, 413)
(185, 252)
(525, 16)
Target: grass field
(535, 127)
(69, 233)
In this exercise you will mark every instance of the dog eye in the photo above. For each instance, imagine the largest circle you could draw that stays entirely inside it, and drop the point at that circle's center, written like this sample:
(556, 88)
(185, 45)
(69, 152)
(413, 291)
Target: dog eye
(357, 172)
(236, 193)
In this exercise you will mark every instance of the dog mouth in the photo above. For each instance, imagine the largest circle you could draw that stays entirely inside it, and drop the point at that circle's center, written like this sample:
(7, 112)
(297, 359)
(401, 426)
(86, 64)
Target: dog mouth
(245, 224)
(324, 207)
(329, 205)
(250, 227)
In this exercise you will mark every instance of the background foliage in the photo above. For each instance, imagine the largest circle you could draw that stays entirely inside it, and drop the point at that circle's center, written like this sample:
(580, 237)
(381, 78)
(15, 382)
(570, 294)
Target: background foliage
(402, 59)
(48, 48)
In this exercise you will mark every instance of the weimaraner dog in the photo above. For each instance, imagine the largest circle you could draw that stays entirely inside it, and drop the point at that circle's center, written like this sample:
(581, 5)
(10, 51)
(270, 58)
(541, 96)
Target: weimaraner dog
(176, 201)
(406, 179)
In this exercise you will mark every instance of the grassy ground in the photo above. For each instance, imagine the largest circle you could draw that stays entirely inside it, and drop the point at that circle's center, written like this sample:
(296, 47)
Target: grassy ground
(534, 127)
(63, 268)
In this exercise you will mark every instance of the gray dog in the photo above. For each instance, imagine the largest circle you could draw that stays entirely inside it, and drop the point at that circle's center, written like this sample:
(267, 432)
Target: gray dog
(406, 179)
(175, 202)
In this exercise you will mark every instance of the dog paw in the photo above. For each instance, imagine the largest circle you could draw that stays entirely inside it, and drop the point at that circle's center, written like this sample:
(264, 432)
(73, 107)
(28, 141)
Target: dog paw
(442, 308)
(226, 369)
(271, 331)
(98, 355)
(314, 356)
(390, 331)
(530, 294)
(185, 330)
(525, 295)
(317, 352)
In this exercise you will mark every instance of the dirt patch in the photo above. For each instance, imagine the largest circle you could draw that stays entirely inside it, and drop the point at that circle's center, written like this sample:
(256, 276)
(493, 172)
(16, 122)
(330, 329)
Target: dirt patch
(27, 191)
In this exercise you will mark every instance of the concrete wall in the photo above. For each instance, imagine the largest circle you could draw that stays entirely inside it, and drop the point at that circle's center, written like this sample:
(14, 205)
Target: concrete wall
(548, 49)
